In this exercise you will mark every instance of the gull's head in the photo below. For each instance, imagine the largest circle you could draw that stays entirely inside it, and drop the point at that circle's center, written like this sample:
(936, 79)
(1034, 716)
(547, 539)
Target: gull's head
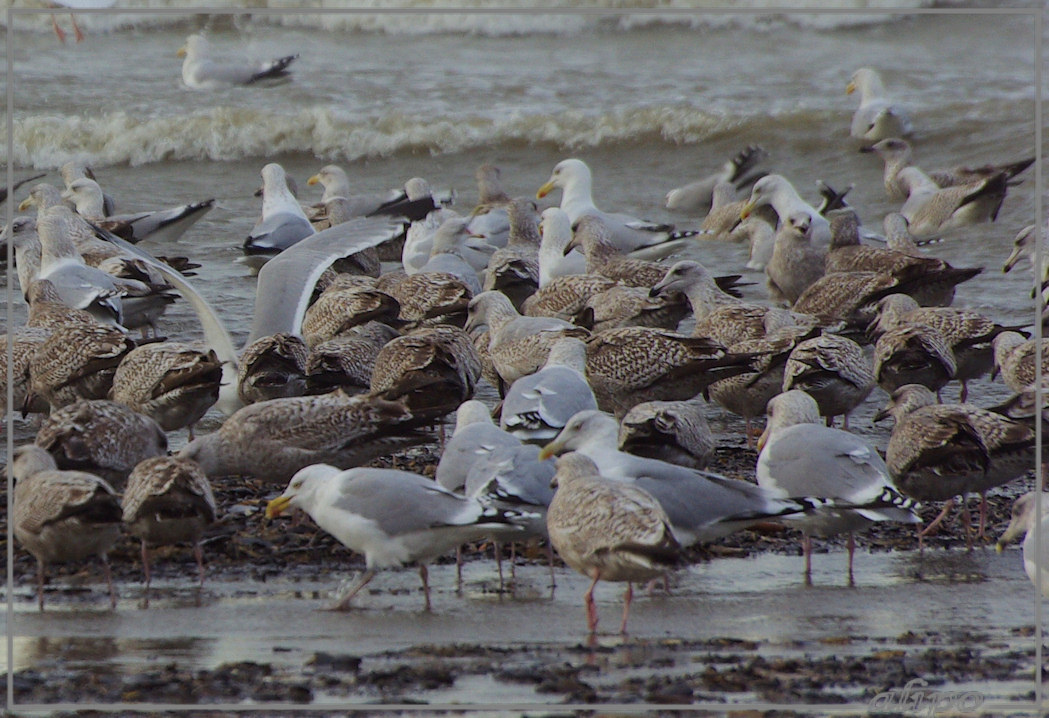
(554, 225)
(864, 79)
(571, 466)
(904, 400)
(787, 409)
(891, 148)
(195, 46)
(761, 193)
(566, 173)
(301, 489)
(582, 429)
(1023, 246)
(82, 191)
(31, 459)
(327, 175)
(681, 275)
(1022, 519)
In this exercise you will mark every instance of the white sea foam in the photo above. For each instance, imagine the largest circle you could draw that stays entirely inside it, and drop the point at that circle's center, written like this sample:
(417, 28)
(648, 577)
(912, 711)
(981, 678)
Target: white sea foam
(228, 133)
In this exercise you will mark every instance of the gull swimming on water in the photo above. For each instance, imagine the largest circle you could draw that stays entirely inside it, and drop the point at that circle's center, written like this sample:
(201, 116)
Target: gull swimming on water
(201, 72)
(573, 178)
(877, 117)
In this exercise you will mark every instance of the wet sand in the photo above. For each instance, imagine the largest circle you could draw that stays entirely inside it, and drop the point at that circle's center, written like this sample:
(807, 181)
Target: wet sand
(739, 626)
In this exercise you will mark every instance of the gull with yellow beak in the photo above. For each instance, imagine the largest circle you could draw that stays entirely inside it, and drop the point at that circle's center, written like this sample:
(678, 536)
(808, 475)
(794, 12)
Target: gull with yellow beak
(777, 192)
(201, 72)
(1024, 516)
(877, 117)
(573, 178)
(392, 517)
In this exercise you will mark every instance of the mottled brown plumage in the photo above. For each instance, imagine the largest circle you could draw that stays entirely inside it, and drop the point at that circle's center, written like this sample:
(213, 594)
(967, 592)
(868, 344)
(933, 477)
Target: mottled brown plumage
(913, 354)
(77, 362)
(432, 369)
(608, 530)
(348, 360)
(833, 370)
(168, 500)
(630, 365)
(173, 382)
(337, 311)
(272, 367)
(101, 437)
(62, 516)
(271, 440)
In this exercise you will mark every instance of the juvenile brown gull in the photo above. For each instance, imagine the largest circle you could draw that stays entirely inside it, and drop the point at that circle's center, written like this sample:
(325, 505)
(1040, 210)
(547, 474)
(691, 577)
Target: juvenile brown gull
(392, 517)
(796, 261)
(1015, 357)
(272, 367)
(168, 500)
(629, 365)
(913, 354)
(348, 360)
(101, 437)
(608, 530)
(834, 371)
(76, 362)
(969, 334)
(933, 280)
(431, 369)
(931, 211)
(173, 382)
(673, 431)
(939, 451)
(271, 440)
(62, 516)
(518, 344)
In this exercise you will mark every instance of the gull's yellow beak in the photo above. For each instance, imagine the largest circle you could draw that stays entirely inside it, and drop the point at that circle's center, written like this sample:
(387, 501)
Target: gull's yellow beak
(1013, 258)
(850, 88)
(277, 506)
(181, 52)
(25, 204)
(549, 450)
(544, 190)
(763, 439)
(314, 179)
(747, 209)
(999, 547)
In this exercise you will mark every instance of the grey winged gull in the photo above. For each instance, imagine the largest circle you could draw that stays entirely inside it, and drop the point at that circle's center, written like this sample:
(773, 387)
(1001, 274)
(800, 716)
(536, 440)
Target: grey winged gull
(392, 517)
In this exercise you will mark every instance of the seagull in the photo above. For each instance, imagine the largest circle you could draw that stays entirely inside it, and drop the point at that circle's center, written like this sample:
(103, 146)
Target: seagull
(877, 117)
(392, 517)
(573, 178)
(201, 72)
(609, 530)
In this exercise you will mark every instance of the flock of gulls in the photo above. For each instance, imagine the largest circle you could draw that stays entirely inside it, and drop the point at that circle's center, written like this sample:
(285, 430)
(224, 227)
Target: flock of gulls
(377, 317)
